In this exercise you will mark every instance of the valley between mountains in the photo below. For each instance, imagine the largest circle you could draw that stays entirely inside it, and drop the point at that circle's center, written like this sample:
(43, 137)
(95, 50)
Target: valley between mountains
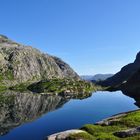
(33, 83)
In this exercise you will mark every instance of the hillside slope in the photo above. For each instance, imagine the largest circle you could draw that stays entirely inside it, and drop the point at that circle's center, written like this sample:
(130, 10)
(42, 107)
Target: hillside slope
(132, 86)
(20, 64)
(124, 74)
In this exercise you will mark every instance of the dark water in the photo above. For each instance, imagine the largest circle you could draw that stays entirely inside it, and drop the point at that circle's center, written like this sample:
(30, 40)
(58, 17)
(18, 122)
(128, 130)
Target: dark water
(69, 114)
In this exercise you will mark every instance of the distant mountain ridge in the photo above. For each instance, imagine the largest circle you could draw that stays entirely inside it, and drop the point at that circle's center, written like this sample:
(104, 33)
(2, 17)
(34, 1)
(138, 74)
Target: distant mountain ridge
(97, 77)
(87, 77)
(20, 64)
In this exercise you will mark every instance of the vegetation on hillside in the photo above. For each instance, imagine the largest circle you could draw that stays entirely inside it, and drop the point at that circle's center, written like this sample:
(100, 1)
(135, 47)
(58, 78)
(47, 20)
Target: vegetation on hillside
(63, 86)
(6, 99)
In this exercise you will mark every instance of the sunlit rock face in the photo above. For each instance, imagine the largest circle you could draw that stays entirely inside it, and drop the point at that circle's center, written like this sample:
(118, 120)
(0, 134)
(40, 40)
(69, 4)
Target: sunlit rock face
(20, 63)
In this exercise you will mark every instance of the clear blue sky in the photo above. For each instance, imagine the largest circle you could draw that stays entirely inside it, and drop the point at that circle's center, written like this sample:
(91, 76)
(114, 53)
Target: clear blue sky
(93, 36)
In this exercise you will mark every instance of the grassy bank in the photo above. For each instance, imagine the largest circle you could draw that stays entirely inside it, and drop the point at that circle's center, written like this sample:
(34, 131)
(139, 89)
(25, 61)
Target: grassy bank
(107, 132)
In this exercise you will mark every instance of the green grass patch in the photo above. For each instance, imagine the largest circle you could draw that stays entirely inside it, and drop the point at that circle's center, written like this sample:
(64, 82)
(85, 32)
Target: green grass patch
(2, 87)
(20, 87)
(99, 132)
(62, 86)
(131, 120)
(7, 75)
(6, 99)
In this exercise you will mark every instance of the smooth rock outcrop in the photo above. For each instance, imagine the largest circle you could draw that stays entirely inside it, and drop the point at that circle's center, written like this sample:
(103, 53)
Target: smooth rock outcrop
(63, 135)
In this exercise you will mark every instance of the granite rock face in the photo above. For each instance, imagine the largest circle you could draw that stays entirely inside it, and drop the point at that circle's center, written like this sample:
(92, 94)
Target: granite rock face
(19, 64)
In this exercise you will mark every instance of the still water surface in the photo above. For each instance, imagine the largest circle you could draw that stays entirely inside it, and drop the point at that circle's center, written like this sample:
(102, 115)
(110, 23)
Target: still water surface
(73, 114)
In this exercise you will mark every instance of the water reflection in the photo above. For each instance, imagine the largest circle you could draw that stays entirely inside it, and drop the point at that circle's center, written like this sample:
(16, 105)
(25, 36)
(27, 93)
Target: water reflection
(25, 107)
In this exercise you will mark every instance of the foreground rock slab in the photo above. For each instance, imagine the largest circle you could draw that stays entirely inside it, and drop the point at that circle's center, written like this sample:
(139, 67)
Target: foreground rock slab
(63, 135)
(128, 133)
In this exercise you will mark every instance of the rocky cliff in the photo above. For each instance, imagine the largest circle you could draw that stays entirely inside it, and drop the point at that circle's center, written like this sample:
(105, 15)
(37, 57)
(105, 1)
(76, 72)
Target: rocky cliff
(132, 86)
(124, 74)
(20, 64)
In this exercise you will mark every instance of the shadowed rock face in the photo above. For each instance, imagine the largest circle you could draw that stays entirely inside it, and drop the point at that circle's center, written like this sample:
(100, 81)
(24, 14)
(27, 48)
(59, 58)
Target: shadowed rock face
(134, 95)
(133, 84)
(127, 80)
(19, 63)
(26, 107)
(132, 87)
(125, 73)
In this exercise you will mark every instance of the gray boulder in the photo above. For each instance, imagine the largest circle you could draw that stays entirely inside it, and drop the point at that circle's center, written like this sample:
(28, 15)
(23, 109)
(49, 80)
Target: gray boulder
(128, 133)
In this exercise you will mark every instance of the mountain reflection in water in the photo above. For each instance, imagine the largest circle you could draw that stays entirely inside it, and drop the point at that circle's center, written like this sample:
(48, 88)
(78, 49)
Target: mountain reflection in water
(26, 107)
